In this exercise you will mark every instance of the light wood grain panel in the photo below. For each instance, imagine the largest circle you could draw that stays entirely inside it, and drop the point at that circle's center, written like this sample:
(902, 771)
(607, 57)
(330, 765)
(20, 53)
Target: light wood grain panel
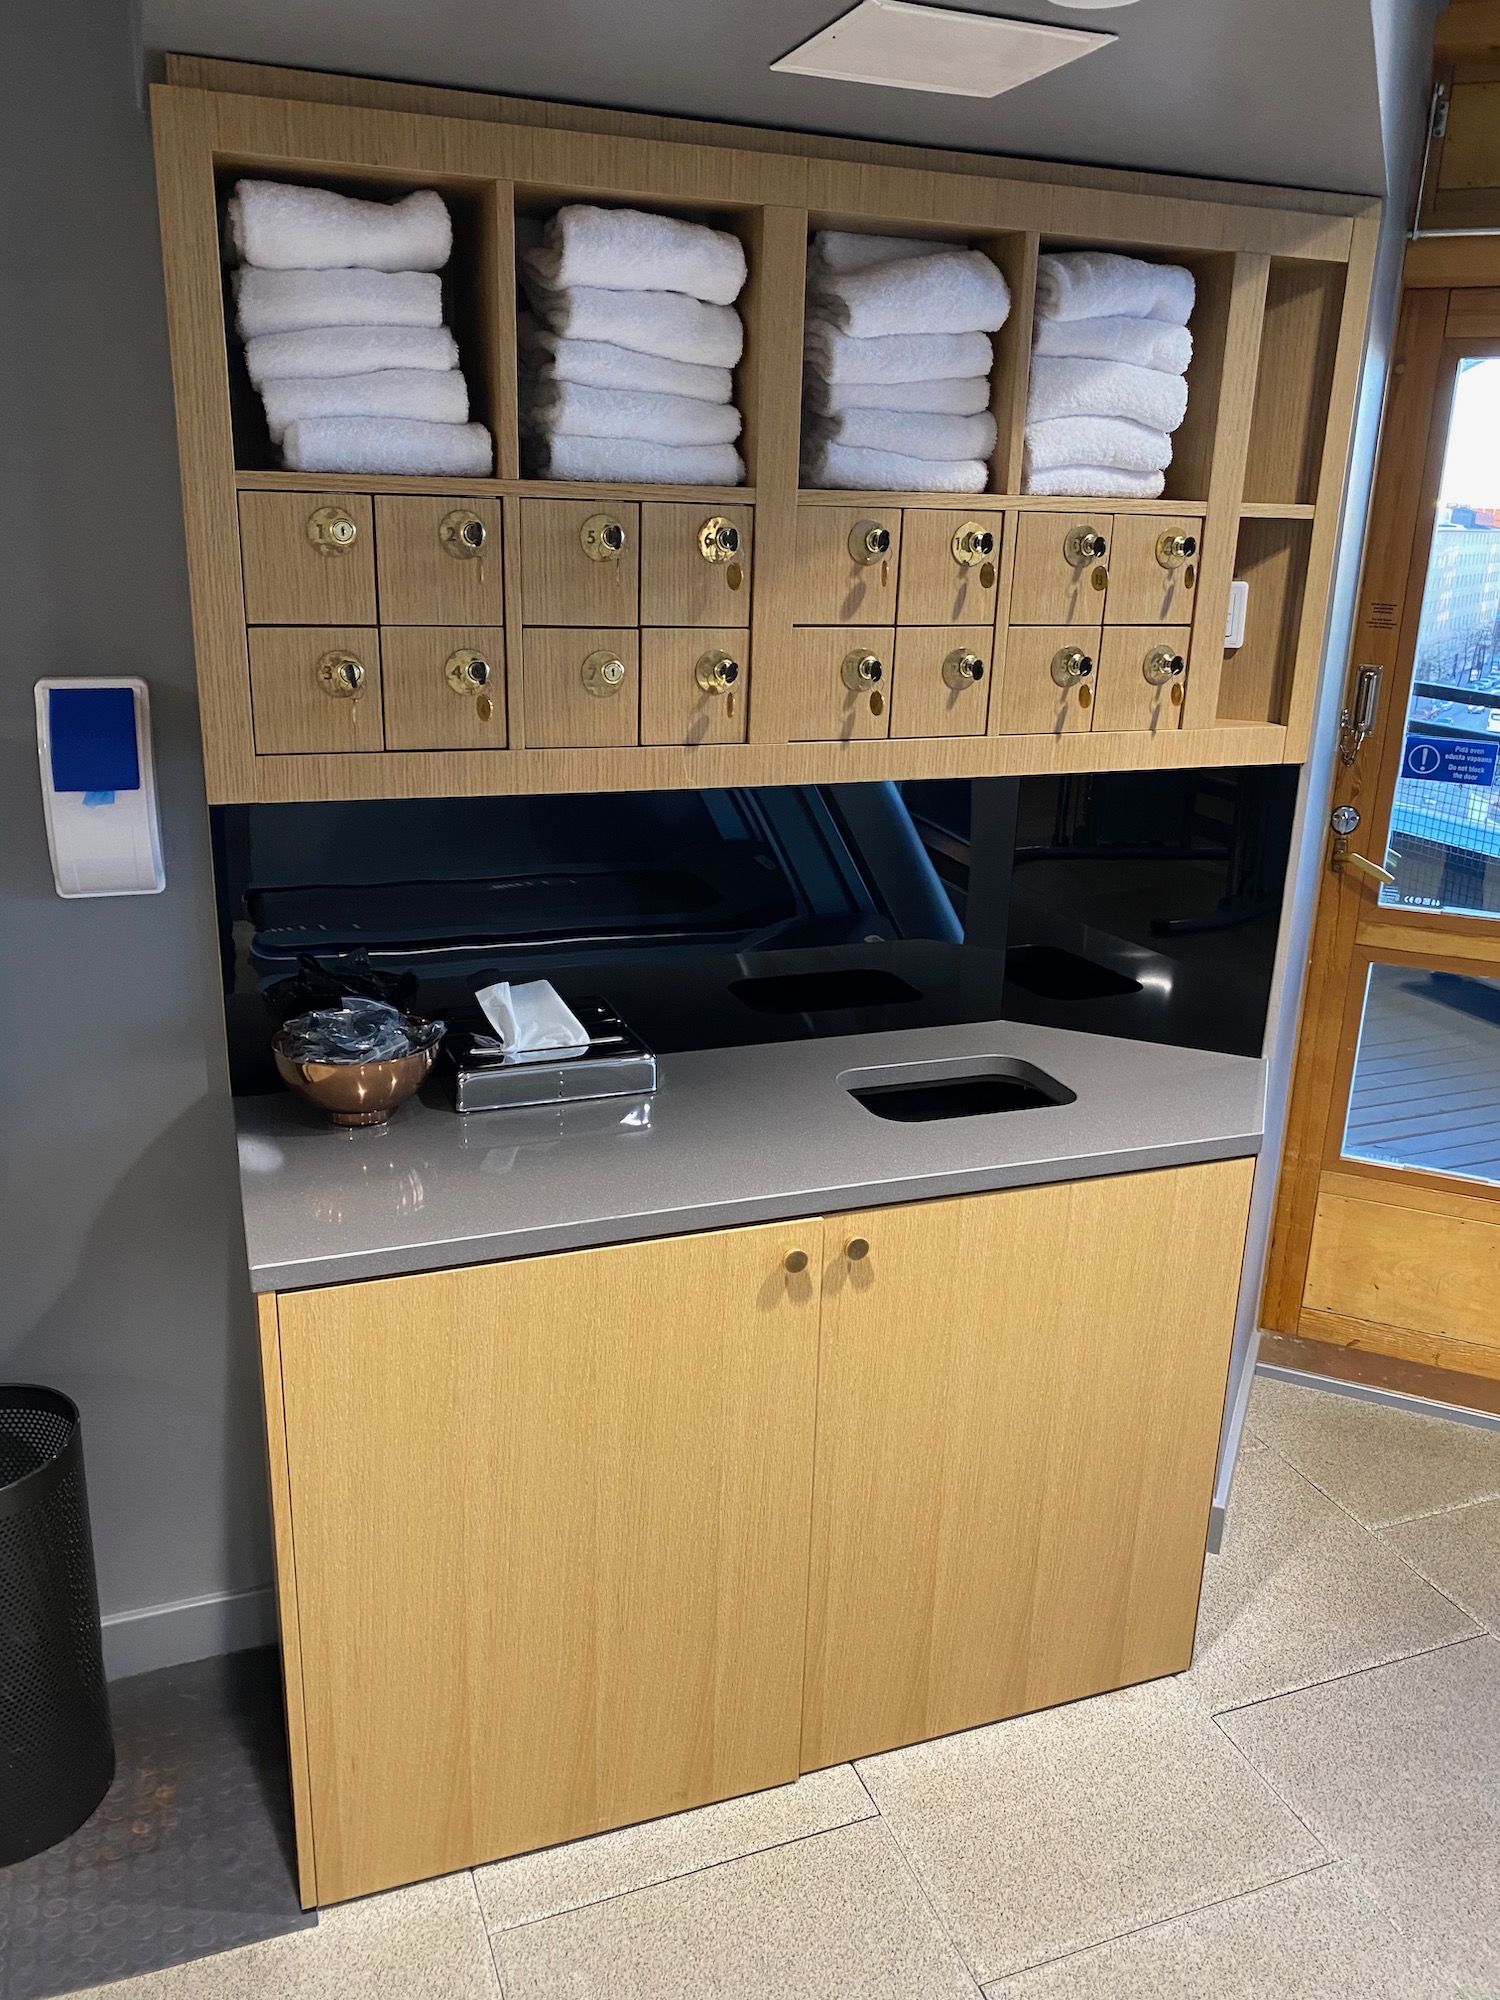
(1142, 590)
(422, 709)
(1387, 1262)
(822, 704)
(1255, 683)
(674, 706)
(828, 584)
(294, 715)
(1049, 590)
(1027, 700)
(1474, 314)
(679, 586)
(1295, 373)
(1440, 261)
(922, 702)
(286, 1596)
(1208, 379)
(560, 584)
(1010, 1506)
(1011, 383)
(551, 1541)
(421, 581)
(1123, 697)
(1416, 932)
(289, 579)
(935, 587)
(1404, 1343)
(560, 711)
(772, 378)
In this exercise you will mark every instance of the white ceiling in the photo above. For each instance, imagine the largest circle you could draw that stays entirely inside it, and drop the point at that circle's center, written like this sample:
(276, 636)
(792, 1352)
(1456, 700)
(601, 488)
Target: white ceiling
(1259, 90)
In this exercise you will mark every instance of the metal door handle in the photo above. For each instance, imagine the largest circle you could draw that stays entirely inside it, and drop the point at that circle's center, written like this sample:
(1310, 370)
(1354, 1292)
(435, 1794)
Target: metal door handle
(1363, 865)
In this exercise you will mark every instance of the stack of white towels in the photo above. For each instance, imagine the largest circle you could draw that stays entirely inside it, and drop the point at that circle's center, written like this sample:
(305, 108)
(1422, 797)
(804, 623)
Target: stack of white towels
(626, 354)
(1110, 351)
(896, 364)
(341, 312)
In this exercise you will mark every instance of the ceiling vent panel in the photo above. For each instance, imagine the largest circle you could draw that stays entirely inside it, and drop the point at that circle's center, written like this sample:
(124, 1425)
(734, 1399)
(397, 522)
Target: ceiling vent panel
(907, 47)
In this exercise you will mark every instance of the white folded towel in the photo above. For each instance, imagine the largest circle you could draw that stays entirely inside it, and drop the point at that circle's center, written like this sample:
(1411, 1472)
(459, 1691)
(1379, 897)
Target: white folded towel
(957, 291)
(436, 397)
(842, 250)
(665, 323)
(1096, 441)
(1101, 284)
(627, 250)
(569, 409)
(953, 395)
(348, 350)
(1144, 343)
(1096, 482)
(598, 364)
(288, 301)
(915, 433)
(634, 461)
(890, 471)
(386, 444)
(532, 1019)
(1064, 386)
(894, 357)
(285, 228)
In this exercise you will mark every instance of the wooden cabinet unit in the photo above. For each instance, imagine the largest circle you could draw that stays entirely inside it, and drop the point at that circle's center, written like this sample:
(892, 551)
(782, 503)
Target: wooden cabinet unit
(1141, 679)
(1255, 481)
(573, 1541)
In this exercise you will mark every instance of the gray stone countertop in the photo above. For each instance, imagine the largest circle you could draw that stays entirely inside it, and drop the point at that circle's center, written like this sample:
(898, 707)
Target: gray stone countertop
(731, 1136)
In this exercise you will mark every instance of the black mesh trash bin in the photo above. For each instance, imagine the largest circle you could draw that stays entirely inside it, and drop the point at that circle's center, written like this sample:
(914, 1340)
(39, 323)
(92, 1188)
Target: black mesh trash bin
(57, 1754)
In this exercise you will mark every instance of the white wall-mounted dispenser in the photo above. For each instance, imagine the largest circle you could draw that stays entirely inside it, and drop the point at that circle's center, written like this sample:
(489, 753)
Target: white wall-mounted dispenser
(1239, 605)
(99, 787)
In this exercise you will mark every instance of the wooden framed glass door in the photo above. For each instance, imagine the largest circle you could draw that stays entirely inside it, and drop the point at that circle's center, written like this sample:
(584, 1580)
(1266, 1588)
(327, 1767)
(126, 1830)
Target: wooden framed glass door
(1387, 1234)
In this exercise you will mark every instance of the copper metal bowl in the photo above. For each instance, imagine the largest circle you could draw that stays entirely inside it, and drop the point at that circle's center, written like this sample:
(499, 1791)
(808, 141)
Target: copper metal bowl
(361, 1093)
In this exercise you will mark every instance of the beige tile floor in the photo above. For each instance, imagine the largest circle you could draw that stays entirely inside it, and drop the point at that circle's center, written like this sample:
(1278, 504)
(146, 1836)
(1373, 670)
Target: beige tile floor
(1312, 1813)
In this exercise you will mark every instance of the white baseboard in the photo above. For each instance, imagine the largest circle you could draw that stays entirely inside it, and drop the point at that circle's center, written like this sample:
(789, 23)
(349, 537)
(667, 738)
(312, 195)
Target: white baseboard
(197, 1628)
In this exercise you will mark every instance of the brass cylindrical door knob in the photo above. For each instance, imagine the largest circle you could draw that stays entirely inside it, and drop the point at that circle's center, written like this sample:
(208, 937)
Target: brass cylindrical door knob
(862, 672)
(718, 540)
(857, 1249)
(1172, 551)
(1084, 545)
(796, 1262)
(462, 534)
(963, 669)
(1161, 665)
(603, 673)
(972, 544)
(1070, 666)
(332, 531)
(869, 542)
(717, 673)
(603, 538)
(468, 673)
(341, 675)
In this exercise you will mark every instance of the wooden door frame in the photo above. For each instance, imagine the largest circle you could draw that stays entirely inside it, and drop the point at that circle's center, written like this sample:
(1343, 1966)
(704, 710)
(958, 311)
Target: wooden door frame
(1350, 923)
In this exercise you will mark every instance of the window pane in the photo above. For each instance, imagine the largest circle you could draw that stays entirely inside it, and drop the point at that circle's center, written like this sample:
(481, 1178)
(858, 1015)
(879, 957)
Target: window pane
(1445, 818)
(1426, 1089)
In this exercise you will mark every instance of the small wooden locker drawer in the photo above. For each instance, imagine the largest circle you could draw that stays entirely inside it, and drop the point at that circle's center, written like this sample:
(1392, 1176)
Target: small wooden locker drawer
(443, 687)
(695, 564)
(308, 558)
(941, 681)
(841, 682)
(950, 563)
(1062, 568)
(437, 561)
(1037, 697)
(574, 696)
(694, 684)
(580, 562)
(1141, 676)
(846, 565)
(315, 688)
(1153, 569)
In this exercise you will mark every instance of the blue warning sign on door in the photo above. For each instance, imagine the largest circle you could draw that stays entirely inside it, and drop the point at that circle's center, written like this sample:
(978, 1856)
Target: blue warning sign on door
(1446, 760)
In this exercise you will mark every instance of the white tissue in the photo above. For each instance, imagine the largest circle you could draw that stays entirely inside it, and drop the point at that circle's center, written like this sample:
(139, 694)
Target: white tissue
(629, 250)
(285, 228)
(532, 1021)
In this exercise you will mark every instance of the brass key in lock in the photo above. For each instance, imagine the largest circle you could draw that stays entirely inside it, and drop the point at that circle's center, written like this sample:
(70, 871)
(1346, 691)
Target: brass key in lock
(1083, 546)
(719, 673)
(719, 542)
(870, 543)
(1072, 667)
(963, 669)
(332, 531)
(603, 538)
(470, 674)
(341, 675)
(862, 673)
(1172, 551)
(462, 535)
(1161, 665)
(973, 545)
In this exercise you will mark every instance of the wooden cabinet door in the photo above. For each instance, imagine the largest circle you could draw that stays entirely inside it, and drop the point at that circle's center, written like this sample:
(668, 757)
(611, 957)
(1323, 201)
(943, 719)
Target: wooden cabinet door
(438, 560)
(570, 703)
(1153, 569)
(927, 697)
(936, 587)
(1018, 1417)
(680, 583)
(676, 706)
(308, 558)
(315, 688)
(1050, 587)
(1029, 701)
(1123, 696)
(837, 580)
(443, 687)
(580, 562)
(829, 705)
(549, 1525)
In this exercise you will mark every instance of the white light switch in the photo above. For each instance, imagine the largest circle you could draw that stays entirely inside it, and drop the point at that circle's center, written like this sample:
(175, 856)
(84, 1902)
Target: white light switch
(93, 739)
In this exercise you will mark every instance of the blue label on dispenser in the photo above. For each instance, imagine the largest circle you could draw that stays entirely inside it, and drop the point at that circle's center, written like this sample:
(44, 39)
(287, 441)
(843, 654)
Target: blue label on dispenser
(92, 734)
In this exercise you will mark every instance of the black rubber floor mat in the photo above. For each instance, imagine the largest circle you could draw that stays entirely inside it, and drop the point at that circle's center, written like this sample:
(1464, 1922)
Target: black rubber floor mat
(191, 1851)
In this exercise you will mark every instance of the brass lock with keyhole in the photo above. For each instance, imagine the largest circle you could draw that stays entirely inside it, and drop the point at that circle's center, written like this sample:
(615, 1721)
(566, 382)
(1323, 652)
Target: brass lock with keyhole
(717, 673)
(1083, 546)
(1161, 665)
(462, 534)
(603, 673)
(718, 540)
(869, 543)
(603, 538)
(972, 545)
(341, 675)
(1173, 550)
(1071, 667)
(332, 531)
(963, 669)
(863, 673)
(470, 674)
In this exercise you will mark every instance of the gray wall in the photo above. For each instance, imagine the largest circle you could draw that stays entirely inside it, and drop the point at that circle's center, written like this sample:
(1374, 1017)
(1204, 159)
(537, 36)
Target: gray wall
(123, 1264)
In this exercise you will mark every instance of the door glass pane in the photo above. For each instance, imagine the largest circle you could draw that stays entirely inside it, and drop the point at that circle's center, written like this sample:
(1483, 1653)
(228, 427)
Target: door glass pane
(1445, 818)
(1426, 1089)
